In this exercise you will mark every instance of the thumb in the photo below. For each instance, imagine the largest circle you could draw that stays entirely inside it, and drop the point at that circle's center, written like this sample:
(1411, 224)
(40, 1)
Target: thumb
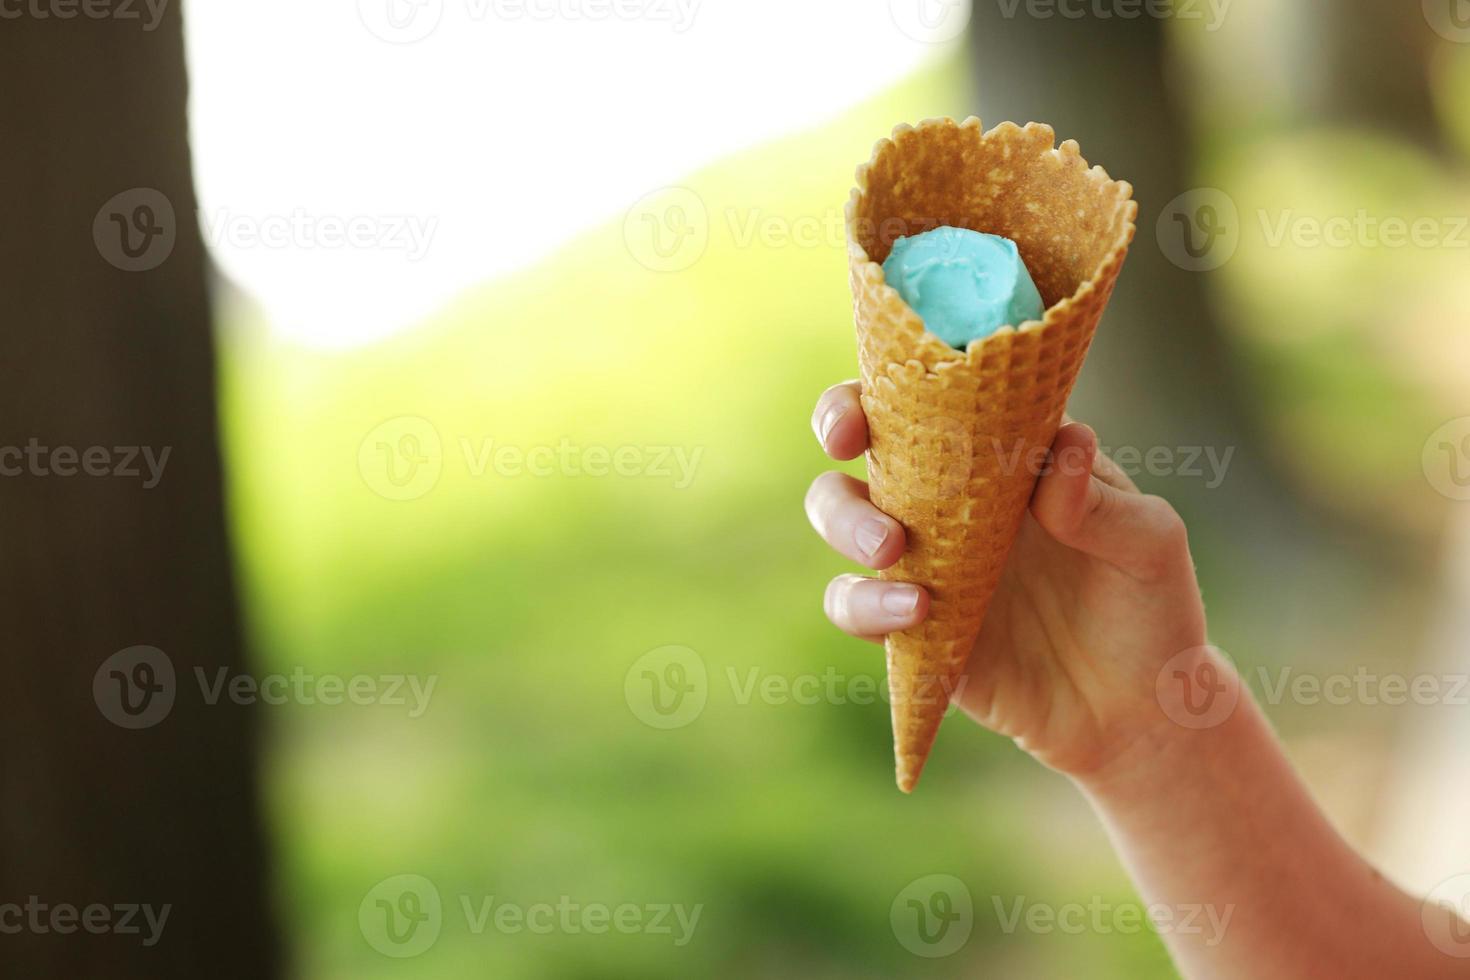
(1139, 534)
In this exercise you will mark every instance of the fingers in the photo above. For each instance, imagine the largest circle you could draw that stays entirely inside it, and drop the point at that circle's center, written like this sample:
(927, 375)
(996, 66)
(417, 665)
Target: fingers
(838, 507)
(869, 608)
(839, 423)
(1093, 507)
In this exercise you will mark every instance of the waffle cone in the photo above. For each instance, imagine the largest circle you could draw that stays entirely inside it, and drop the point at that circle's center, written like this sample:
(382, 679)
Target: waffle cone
(955, 436)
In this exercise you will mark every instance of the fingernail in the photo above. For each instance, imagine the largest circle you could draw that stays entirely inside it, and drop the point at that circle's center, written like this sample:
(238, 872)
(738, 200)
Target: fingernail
(870, 535)
(829, 421)
(899, 600)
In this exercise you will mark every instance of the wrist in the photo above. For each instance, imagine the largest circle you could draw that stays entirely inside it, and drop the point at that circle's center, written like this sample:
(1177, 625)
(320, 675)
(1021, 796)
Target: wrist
(1200, 711)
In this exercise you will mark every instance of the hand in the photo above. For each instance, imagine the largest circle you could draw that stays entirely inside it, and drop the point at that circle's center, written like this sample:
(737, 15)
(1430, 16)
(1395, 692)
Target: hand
(1098, 593)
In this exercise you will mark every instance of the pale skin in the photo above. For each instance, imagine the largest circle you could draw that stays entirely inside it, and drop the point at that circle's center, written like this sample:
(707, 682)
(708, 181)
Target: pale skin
(1098, 599)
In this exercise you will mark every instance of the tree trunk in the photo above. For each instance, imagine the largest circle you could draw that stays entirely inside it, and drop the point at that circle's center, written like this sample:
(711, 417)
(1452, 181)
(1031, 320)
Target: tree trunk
(103, 809)
(1374, 66)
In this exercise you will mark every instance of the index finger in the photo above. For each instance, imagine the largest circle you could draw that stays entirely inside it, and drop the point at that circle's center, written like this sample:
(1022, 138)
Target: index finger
(839, 422)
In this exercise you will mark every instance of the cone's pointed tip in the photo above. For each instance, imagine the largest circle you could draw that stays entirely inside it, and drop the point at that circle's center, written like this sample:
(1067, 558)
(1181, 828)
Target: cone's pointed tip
(907, 783)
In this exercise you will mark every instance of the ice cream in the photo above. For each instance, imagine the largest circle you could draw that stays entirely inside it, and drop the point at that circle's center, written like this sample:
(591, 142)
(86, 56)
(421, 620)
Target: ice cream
(965, 285)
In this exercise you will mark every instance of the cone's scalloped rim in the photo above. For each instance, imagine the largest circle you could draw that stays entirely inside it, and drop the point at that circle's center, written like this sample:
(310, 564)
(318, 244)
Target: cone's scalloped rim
(940, 354)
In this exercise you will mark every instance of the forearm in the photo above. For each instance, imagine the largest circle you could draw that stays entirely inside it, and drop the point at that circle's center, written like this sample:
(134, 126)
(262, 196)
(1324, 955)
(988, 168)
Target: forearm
(1216, 819)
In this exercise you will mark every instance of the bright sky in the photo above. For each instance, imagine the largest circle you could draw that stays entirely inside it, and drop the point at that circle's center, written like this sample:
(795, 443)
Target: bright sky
(360, 162)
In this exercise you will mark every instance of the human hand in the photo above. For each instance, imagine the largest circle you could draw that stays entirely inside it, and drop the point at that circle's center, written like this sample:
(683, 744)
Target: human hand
(1098, 593)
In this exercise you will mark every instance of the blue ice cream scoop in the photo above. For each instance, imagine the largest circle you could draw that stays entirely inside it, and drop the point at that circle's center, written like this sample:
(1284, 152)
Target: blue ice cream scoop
(964, 284)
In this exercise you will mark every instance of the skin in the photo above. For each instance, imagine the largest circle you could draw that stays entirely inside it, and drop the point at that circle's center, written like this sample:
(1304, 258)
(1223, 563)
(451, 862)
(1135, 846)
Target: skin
(1096, 614)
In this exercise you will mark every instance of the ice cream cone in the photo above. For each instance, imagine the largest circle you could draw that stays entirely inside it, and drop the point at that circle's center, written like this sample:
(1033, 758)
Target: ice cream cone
(955, 436)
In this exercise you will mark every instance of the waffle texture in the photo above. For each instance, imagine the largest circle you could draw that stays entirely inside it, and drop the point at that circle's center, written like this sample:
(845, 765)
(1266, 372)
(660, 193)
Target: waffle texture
(956, 436)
